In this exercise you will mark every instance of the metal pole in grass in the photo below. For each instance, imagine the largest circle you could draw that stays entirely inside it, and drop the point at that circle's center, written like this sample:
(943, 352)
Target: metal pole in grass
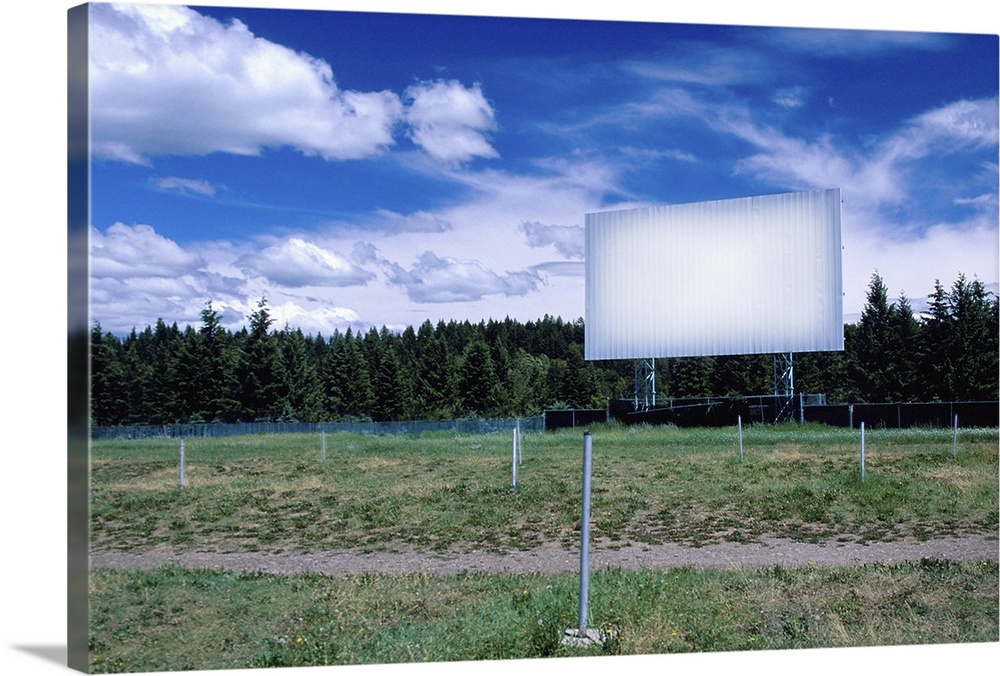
(580, 636)
(520, 451)
(585, 532)
(182, 465)
(513, 462)
(739, 426)
(862, 452)
(954, 440)
(323, 447)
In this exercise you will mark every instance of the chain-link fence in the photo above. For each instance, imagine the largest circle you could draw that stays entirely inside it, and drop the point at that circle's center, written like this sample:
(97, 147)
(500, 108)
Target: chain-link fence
(458, 426)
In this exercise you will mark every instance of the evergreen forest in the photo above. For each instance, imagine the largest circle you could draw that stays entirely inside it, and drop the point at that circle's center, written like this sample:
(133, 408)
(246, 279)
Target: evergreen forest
(504, 368)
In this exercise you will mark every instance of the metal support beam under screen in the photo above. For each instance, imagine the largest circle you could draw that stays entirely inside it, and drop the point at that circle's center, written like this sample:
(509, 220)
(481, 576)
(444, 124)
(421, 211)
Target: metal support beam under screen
(645, 384)
(784, 386)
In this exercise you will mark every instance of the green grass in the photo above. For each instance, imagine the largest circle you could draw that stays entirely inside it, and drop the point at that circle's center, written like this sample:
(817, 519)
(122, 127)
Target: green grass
(178, 619)
(440, 491)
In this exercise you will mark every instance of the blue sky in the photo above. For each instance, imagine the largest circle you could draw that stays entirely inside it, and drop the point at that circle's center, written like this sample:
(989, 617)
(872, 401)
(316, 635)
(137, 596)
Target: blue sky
(363, 170)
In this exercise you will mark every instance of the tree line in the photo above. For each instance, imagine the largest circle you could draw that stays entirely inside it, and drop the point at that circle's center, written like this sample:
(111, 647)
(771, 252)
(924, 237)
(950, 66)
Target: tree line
(505, 368)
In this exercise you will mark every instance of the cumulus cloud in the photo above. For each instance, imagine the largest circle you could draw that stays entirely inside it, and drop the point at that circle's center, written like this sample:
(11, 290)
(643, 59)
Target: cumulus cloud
(167, 80)
(297, 263)
(567, 239)
(126, 251)
(450, 121)
(120, 305)
(323, 319)
(437, 279)
(138, 276)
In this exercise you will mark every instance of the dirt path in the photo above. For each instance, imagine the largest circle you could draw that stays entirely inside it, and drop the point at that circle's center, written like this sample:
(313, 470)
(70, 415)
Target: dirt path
(551, 559)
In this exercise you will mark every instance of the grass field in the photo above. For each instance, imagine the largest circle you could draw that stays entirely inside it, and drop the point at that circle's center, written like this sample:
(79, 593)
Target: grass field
(272, 493)
(442, 491)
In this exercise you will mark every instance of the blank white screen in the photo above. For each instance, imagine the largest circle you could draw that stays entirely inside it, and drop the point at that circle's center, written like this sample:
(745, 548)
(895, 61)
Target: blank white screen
(752, 275)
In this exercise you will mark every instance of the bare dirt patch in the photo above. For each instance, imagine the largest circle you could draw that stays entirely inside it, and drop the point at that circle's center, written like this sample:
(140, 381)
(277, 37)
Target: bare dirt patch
(556, 559)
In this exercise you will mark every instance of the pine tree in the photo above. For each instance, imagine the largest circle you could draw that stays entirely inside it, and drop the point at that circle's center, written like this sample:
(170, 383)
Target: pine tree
(138, 370)
(973, 347)
(689, 377)
(392, 392)
(215, 374)
(743, 375)
(350, 386)
(108, 391)
(478, 384)
(578, 387)
(303, 400)
(874, 337)
(901, 381)
(261, 373)
(436, 395)
(525, 384)
(936, 351)
(186, 404)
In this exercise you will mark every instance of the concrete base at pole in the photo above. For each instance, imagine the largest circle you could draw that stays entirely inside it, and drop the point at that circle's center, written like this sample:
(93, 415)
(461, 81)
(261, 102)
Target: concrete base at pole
(574, 638)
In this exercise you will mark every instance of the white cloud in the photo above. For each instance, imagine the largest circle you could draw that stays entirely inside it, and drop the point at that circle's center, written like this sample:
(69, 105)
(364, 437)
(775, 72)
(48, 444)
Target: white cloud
(956, 126)
(323, 318)
(185, 185)
(856, 44)
(297, 263)
(987, 202)
(139, 276)
(167, 80)
(450, 121)
(649, 155)
(567, 239)
(120, 304)
(562, 268)
(881, 177)
(125, 251)
(792, 97)
(419, 221)
(696, 63)
(434, 279)
(910, 263)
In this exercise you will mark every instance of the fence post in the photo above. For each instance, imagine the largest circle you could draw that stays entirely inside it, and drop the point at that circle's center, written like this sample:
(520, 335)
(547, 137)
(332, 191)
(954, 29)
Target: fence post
(585, 533)
(954, 440)
(520, 451)
(181, 472)
(862, 451)
(513, 462)
(739, 426)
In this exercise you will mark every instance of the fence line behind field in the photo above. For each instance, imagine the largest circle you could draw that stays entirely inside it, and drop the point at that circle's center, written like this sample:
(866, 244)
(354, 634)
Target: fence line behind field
(407, 427)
